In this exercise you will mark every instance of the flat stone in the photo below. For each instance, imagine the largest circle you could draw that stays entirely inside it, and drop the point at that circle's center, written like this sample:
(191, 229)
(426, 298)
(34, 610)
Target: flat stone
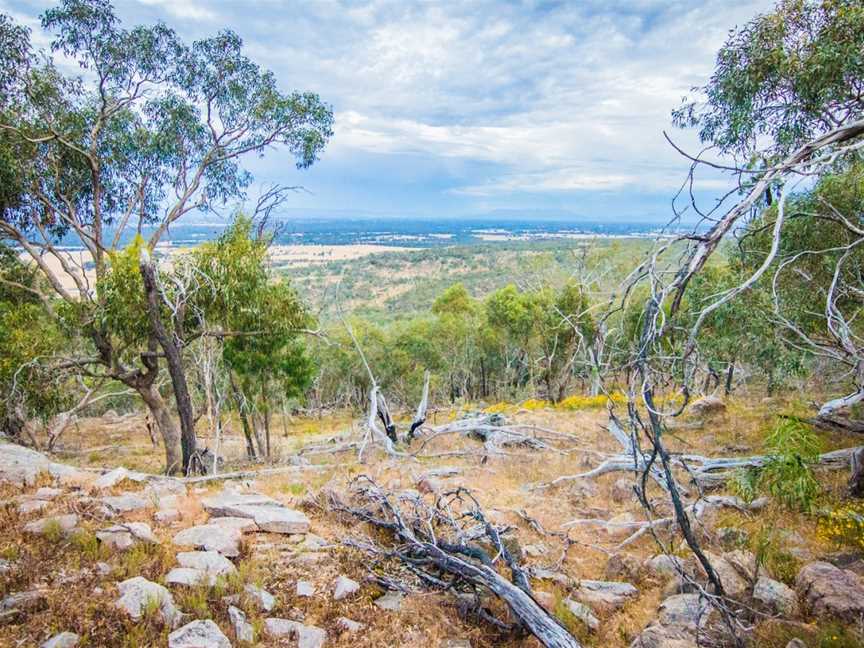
(664, 566)
(707, 405)
(621, 566)
(62, 640)
(209, 561)
(268, 514)
(211, 537)
(30, 601)
(66, 523)
(167, 516)
(190, 577)
(391, 601)
(244, 525)
(744, 563)
(243, 630)
(828, 591)
(775, 596)
(312, 542)
(734, 584)
(111, 478)
(21, 466)
(347, 625)
(198, 634)
(583, 613)
(137, 593)
(46, 493)
(277, 628)
(660, 636)
(123, 536)
(605, 596)
(262, 598)
(305, 589)
(5, 566)
(345, 587)
(306, 636)
(32, 506)
(126, 502)
(684, 610)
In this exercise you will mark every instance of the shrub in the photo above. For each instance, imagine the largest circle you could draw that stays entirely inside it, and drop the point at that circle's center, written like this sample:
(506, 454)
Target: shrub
(844, 525)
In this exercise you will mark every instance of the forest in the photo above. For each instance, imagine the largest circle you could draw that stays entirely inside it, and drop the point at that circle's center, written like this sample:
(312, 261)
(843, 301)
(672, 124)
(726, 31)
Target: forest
(507, 437)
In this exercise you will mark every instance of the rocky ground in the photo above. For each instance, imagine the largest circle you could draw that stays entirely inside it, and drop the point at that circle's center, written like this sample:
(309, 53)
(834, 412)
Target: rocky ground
(117, 557)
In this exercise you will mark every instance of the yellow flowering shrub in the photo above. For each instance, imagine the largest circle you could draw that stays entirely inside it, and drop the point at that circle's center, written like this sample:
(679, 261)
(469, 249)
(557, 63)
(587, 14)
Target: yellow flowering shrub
(844, 525)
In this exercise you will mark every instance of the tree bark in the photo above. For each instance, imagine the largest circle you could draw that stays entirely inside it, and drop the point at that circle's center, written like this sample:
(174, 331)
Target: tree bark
(165, 424)
(188, 442)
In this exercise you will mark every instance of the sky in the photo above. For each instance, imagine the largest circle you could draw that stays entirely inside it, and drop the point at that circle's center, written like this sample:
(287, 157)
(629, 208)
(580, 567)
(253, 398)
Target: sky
(458, 109)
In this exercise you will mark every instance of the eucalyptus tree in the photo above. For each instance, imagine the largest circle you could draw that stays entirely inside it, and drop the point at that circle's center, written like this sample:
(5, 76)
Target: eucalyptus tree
(148, 131)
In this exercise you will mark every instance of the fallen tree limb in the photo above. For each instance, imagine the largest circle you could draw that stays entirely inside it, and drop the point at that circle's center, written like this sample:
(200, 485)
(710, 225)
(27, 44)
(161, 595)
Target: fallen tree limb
(445, 546)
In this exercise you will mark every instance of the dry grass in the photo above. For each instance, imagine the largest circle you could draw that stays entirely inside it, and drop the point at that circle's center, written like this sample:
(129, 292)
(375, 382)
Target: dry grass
(80, 601)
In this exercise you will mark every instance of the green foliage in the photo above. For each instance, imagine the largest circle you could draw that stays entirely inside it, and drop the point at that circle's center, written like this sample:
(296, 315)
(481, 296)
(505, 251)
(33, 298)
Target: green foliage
(770, 552)
(787, 75)
(787, 475)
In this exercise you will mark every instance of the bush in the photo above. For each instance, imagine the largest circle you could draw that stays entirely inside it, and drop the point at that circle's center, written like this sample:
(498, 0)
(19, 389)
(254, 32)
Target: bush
(844, 526)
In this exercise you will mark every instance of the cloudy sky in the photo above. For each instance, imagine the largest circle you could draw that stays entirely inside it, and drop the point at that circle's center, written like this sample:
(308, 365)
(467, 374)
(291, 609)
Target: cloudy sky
(464, 108)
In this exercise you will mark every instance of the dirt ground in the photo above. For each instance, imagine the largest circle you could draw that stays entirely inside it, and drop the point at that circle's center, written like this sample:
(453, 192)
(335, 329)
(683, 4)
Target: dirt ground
(81, 600)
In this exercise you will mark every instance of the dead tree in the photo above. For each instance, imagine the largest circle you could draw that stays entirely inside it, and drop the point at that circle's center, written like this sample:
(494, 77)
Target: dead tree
(449, 545)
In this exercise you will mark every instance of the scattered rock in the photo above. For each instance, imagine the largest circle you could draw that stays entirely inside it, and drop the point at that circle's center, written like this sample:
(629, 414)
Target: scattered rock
(111, 478)
(137, 593)
(347, 625)
(664, 566)
(707, 405)
(546, 599)
(455, 643)
(198, 634)
(126, 502)
(744, 563)
(243, 525)
(62, 640)
(312, 542)
(306, 636)
(391, 601)
(103, 568)
(621, 566)
(305, 589)
(167, 516)
(211, 537)
(123, 536)
(583, 613)
(243, 630)
(685, 610)
(66, 524)
(534, 550)
(775, 596)
(190, 577)
(262, 598)
(605, 596)
(734, 584)
(5, 566)
(549, 574)
(796, 643)
(830, 591)
(851, 561)
(30, 601)
(208, 561)
(269, 514)
(28, 506)
(344, 588)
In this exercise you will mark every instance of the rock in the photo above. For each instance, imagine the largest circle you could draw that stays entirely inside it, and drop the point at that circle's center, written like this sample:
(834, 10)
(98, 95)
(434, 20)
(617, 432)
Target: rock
(208, 561)
(306, 636)
(549, 574)
(443, 472)
(581, 489)
(198, 634)
(546, 599)
(744, 563)
(30, 601)
(103, 568)
(733, 583)
(262, 598)
(621, 526)
(268, 514)
(621, 566)
(851, 561)
(391, 601)
(658, 636)
(730, 537)
(347, 625)
(137, 593)
(122, 536)
(5, 566)
(622, 490)
(167, 516)
(211, 537)
(21, 466)
(534, 550)
(707, 405)
(126, 502)
(344, 588)
(796, 643)
(111, 478)
(65, 523)
(190, 577)
(664, 566)
(583, 613)
(829, 591)
(605, 596)
(32, 506)
(312, 542)
(685, 610)
(243, 525)
(305, 589)
(49, 494)
(429, 485)
(62, 640)
(775, 596)
(243, 630)
(455, 643)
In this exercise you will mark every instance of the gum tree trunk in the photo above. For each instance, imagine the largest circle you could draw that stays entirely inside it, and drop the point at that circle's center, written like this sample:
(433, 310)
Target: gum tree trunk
(165, 424)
